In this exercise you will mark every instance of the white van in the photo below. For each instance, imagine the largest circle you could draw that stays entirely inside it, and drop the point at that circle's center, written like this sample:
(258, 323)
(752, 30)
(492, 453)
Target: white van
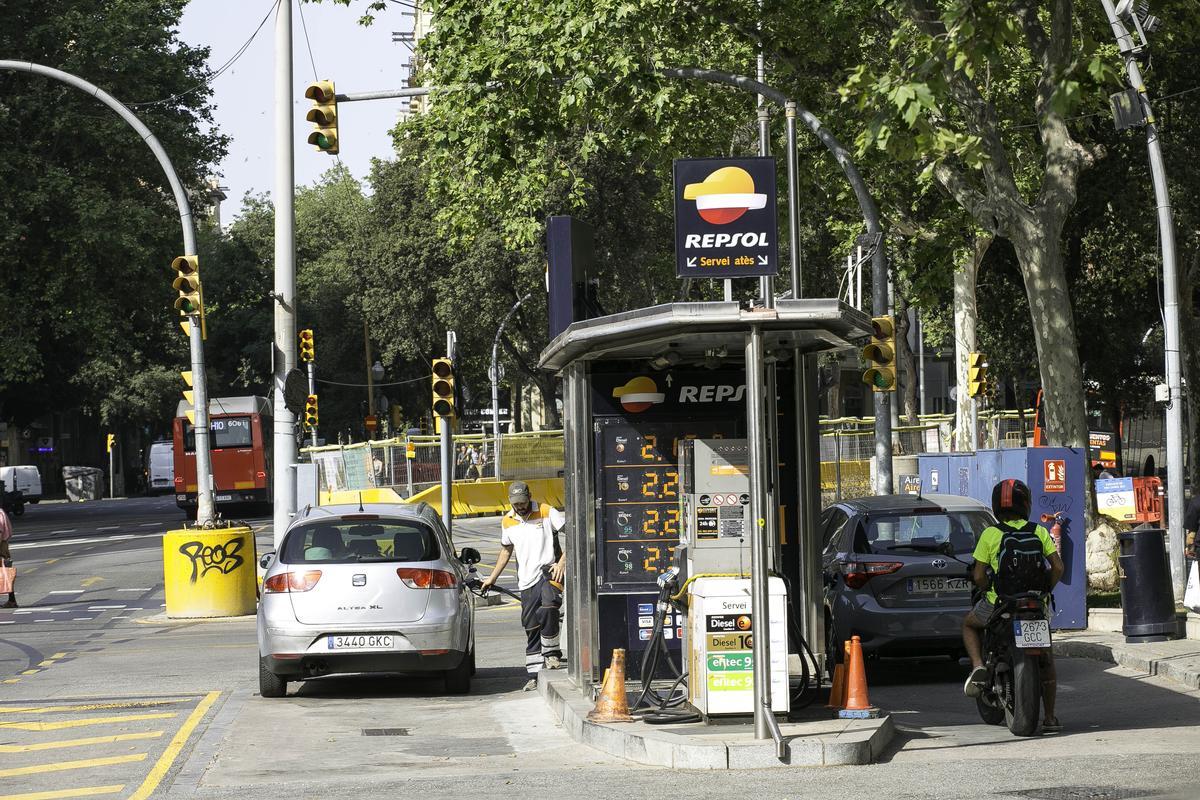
(25, 479)
(160, 468)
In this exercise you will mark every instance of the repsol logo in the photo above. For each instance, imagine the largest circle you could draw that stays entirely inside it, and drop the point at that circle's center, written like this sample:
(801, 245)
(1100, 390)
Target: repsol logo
(711, 394)
(709, 240)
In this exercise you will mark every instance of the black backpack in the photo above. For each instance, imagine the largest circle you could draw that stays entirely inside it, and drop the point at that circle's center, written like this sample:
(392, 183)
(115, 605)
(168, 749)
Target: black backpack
(1021, 565)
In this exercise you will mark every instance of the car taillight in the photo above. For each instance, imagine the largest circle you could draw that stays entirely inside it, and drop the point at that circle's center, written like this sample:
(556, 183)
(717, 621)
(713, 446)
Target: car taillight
(292, 581)
(858, 573)
(424, 578)
(1029, 603)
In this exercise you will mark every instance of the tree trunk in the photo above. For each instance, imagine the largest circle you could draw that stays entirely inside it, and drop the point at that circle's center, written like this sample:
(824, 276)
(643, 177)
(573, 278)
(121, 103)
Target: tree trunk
(546, 385)
(906, 361)
(966, 316)
(1039, 252)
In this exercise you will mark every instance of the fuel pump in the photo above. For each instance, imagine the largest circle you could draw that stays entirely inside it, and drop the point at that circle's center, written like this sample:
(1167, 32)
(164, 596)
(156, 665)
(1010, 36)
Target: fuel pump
(714, 551)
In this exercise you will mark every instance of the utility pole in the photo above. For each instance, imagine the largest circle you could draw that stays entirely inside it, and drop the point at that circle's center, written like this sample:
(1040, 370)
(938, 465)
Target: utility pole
(448, 450)
(285, 273)
(1166, 236)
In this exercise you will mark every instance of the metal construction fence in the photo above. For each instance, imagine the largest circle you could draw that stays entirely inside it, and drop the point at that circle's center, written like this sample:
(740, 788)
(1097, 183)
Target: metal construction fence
(409, 464)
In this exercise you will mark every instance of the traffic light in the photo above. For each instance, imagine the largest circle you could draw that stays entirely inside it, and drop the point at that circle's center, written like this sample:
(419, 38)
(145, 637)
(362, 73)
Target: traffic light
(443, 387)
(310, 412)
(323, 114)
(880, 354)
(111, 439)
(308, 347)
(977, 378)
(190, 301)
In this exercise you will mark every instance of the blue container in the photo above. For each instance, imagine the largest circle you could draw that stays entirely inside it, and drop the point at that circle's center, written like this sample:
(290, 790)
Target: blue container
(1056, 478)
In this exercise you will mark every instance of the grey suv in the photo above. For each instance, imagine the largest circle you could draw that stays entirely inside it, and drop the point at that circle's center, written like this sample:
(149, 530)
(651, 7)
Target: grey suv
(891, 576)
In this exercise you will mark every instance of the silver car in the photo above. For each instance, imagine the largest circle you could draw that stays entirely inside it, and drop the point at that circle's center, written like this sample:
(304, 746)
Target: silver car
(894, 572)
(366, 589)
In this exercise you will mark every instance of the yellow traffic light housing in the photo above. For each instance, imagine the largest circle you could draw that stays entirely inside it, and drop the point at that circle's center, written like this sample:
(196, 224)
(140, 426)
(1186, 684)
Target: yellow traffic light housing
(310, 412)
(109, 442)
(880, 355)
(189, 396)
(190, 301)
(977, 377)
(308, 347)
(323, 115)
(442, 384)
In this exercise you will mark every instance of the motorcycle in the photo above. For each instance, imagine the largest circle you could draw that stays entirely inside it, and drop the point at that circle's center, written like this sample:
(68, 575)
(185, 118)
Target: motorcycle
(1016, 640)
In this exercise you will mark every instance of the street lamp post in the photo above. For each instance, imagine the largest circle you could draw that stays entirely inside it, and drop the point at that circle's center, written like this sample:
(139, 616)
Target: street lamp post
(1166, 235)
(495, 376)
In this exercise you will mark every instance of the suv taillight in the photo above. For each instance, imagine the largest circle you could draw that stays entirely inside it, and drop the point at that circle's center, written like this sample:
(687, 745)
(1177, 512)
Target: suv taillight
(425, 578)
(857, 573)
(292, 581)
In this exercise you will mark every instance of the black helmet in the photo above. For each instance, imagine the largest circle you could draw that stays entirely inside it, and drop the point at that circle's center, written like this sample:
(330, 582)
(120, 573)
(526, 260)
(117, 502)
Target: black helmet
(1011, 498)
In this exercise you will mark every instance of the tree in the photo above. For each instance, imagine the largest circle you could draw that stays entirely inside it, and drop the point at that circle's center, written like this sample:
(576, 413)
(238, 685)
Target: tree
(88, 226)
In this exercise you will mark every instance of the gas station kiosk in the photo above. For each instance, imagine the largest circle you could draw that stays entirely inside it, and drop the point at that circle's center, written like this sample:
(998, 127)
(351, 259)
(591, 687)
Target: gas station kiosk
(692, 449)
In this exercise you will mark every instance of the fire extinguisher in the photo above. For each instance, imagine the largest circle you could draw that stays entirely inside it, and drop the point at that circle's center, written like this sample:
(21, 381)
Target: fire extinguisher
(1056, 528)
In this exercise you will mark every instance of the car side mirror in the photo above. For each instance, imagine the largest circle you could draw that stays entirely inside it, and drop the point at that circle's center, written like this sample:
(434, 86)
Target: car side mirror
(264, 560)
(469, 555)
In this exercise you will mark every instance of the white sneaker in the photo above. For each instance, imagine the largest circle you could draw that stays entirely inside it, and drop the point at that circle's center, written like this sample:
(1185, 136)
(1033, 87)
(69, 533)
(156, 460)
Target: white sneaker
(553, 662)
(531, 686)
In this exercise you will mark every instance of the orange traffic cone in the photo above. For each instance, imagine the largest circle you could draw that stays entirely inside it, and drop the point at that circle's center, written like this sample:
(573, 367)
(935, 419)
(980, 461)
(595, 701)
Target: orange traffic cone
(857, 704)
(612, 705)
(837, 689)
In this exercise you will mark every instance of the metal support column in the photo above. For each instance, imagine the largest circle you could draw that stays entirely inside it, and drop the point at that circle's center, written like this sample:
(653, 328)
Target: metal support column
(283, 198)
(448, 453)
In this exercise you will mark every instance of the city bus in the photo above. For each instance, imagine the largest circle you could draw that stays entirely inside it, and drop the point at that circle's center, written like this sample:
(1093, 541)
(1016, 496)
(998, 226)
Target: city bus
(240, 446)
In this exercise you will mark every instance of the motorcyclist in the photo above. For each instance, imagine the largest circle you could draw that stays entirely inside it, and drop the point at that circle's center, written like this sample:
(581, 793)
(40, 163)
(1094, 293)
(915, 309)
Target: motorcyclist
(1011, 502)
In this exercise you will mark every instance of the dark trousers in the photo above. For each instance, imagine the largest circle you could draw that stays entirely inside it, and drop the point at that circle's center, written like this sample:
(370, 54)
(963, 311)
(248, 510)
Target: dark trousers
(540, 606)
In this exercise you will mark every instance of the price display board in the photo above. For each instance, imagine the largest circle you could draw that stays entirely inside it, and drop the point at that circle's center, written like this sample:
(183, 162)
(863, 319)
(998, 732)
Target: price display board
(638, 513)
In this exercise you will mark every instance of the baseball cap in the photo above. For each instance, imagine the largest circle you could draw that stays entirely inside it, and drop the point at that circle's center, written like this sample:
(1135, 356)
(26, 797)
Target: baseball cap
(518, 492)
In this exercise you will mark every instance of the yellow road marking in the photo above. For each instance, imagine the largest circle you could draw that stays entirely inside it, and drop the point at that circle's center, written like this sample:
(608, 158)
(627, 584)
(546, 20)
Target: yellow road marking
(91, 706)
(59, 655)
(12, 680)
(120, 737)
(173, 749)
(80, 723)
(30, 672)
(88, 583)
(48, 662)
(62, 794)
(62, 766)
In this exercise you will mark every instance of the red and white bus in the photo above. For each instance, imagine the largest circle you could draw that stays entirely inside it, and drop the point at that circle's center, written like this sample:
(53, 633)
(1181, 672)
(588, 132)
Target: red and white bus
(240, 444)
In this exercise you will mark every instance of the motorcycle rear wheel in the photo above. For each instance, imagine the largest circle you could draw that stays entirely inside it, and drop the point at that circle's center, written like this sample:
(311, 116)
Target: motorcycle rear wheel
(1022, 718)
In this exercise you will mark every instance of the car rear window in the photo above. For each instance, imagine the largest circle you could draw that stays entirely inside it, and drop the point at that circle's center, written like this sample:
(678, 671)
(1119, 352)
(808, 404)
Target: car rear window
(899, 533)
(351, 542)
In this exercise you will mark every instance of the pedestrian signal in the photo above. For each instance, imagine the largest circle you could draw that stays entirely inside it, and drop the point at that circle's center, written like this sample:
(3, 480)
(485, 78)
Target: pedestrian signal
(880, 355)
(443, 387)
(977, 377)
(323, 115)
(308, 347)
(310, 412)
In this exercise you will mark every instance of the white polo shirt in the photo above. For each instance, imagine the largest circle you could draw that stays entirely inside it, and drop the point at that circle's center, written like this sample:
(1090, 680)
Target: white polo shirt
(532, 540)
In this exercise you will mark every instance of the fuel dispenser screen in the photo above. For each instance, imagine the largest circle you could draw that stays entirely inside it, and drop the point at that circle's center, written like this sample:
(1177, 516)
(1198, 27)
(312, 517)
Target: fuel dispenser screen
(638, 497)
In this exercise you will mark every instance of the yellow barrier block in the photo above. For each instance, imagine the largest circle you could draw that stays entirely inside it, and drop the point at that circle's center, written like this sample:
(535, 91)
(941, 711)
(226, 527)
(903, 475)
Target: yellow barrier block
(210, 573)
(353, 496)
(479, 498)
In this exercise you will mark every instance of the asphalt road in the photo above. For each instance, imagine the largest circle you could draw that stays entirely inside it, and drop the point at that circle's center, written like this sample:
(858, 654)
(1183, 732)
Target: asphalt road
(101, 696)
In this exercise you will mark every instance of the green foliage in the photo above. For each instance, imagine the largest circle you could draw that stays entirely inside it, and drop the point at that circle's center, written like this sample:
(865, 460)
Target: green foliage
(88, 226)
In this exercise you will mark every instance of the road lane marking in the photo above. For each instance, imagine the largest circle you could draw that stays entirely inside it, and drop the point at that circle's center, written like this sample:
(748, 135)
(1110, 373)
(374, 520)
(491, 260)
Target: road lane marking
(163, 765)
(96, 540)
(66, 530)
(147, 589)
(110, 528)
(61, 743)
(92, 706)
(66, 591)
(82, 723)
(63, 794)
(88, 583)
(149, 525)
(104, 608)
(62, 766)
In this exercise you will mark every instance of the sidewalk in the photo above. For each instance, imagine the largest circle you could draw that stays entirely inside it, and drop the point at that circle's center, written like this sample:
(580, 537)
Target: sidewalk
(1177, 660)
